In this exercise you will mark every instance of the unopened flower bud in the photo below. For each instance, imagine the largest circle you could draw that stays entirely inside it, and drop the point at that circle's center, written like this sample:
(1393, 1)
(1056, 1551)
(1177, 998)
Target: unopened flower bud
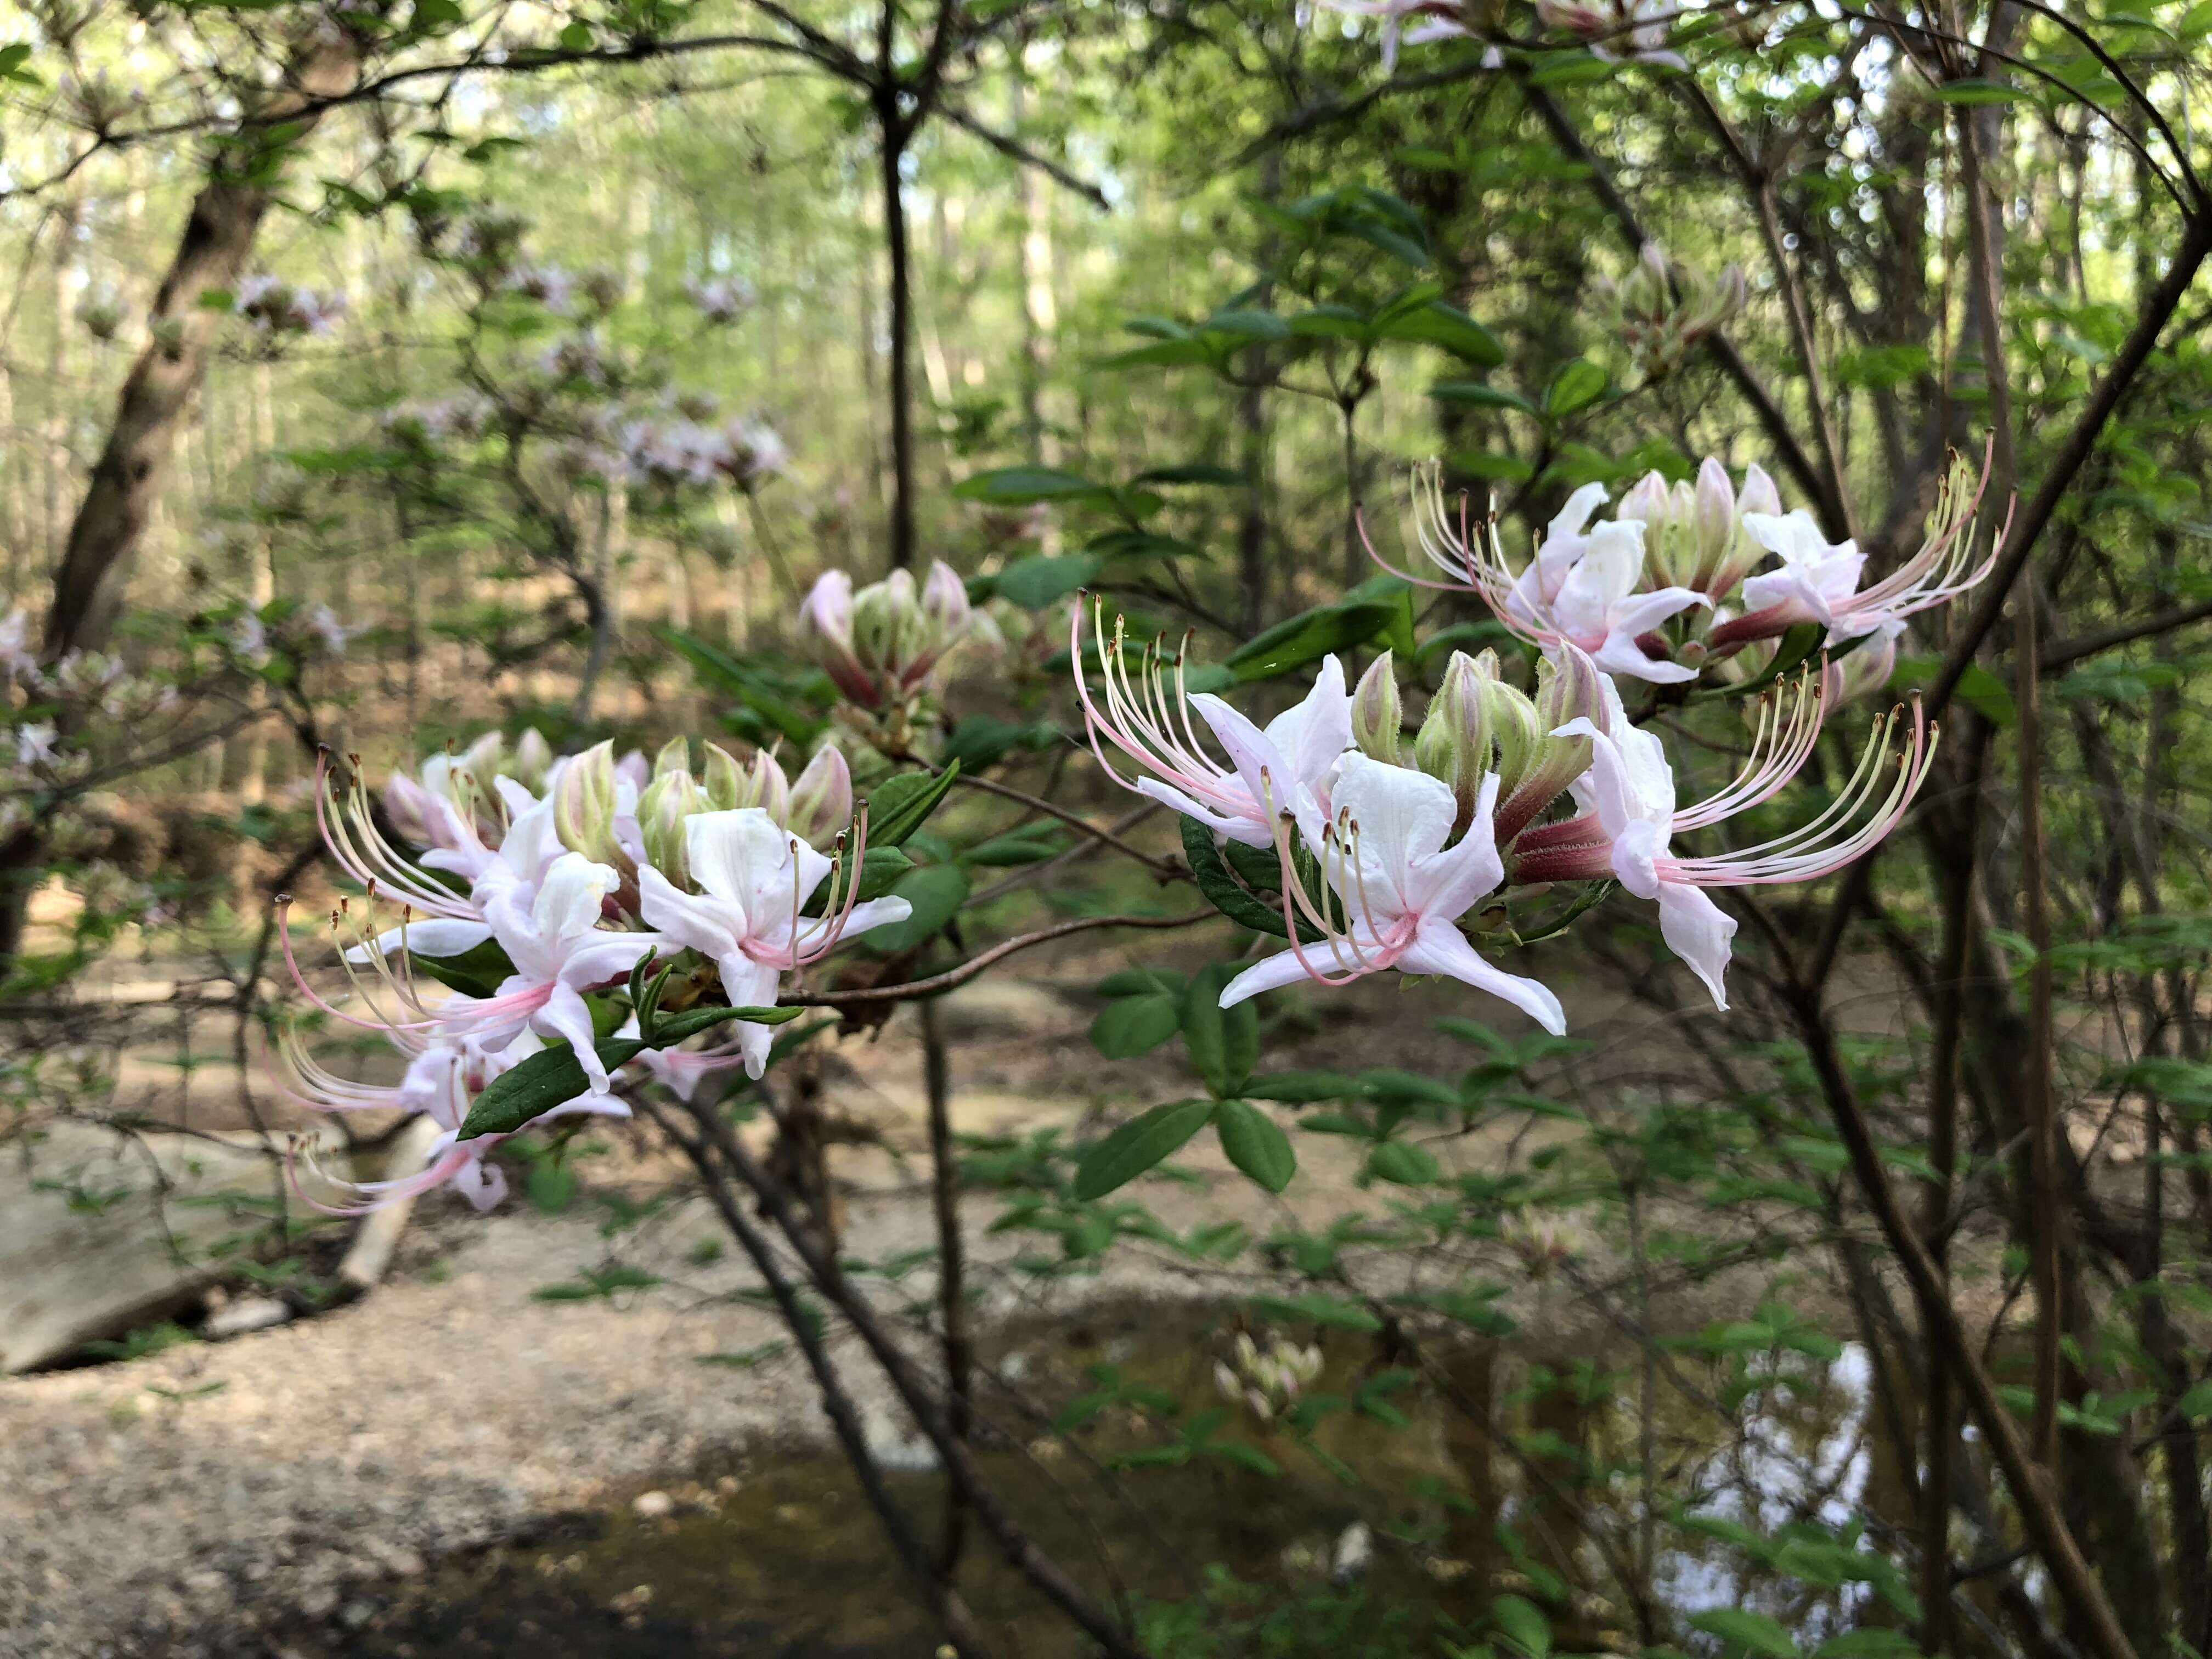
(1376, 715)
(674, 756)
(1452, 745)
(719, 778)
(532, 757)
(1514, 730)
(1744, 551)
(825, 624)
(887, 622)
(583, 802)
(1568, 688)
(1713, 522)
(762, 784)
(945, 601)
(821, 799)
(669, 799)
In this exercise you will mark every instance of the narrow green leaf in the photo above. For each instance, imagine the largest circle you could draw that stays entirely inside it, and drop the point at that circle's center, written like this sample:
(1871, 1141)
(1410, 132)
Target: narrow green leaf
(1749, 1632)
(1138, 1146)
(537, 1084)
(902, 805)
(1224, 1043)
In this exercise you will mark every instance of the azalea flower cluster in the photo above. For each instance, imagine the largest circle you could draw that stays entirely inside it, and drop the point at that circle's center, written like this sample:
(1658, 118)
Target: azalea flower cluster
(1633, 29)
(1414, 858)
(1677, 582)
(507, 895)
(275, 306)
(884, 645)
(1267, 1381)
(1659, 310)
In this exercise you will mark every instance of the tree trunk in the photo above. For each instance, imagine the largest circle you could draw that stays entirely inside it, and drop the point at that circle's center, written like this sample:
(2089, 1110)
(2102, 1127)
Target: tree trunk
(211, 255)
(900, 391)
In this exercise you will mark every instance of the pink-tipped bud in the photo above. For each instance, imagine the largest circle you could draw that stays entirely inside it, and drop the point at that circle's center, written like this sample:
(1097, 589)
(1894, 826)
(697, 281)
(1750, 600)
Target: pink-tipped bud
(945, 603)
(821, 799)
(1377, 717)
(674, 756)
(1713, 522)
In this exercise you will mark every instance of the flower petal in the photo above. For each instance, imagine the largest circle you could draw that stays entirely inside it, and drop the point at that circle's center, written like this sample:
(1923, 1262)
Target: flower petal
(1440, 948)
(1698, 931)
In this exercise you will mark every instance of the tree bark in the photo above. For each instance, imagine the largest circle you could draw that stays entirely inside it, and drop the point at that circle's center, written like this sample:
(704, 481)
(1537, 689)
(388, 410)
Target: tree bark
(211, 255)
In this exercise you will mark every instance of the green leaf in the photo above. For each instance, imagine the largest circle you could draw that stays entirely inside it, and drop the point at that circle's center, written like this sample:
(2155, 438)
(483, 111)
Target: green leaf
(936, 892)
(1440, 324)
(1873, 1643)
(1299, 639)
(477, 972)
(1318, 1308)
(1137, 982)
(1243, 324)
(537, 1084)
(1138, 1146)
(1978, 689)
(902, 805)
(1224, 1043)
(1033, 845)
(1577, 385)
(1037, 581)
(1403, 1164)
(1023, 486)
(1303, 1088)
(1191, 472)
(1792, 651)
(675, 1028)
(1475, 395)
(1524, 1626)
(1256, 1144)
(1163, 353)
(1752, 1632)
(1971, 91)
(1136, 1026)
(1223, 890)
(576, 37)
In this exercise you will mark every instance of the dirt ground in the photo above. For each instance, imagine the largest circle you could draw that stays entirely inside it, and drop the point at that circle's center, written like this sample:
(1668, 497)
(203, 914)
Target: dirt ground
(173, 1503)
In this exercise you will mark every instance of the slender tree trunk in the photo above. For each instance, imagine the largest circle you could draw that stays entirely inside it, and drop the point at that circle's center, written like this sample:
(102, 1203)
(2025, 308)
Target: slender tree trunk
(211, 256)
(900, 392)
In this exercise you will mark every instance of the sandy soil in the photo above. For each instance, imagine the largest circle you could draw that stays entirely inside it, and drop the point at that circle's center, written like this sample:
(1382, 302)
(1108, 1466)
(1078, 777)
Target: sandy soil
(169, 1504)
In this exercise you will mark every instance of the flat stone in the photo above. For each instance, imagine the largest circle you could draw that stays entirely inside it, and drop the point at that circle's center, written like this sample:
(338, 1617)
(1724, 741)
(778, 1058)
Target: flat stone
(88, 1248)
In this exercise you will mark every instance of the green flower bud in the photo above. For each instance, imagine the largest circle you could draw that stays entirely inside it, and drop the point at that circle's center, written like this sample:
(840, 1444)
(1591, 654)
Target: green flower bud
(674, 756)
(669, 799)
(1453, 743)
(1377, 716)
(584, 806)
(1570, 689)
(1515, 730)
(724, 779)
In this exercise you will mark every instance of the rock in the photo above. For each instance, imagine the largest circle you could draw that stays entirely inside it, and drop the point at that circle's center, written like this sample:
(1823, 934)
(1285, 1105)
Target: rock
(248, 1312)
(653, 1505)
(1354, 1554)
(370, 1253)
(83, 1253)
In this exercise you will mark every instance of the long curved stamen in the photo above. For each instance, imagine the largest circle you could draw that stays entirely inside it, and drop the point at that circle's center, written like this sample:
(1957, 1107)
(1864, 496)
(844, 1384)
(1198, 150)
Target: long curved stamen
(1141, 717)
(1780, 747)
(1816, 850)
(1941, 571)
